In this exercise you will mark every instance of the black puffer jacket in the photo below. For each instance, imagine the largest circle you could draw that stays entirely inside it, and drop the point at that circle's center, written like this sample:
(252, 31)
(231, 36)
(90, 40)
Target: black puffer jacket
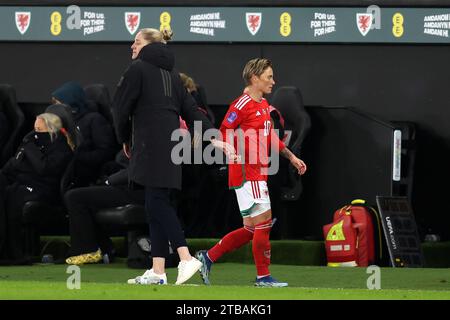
(98, 143)
(151, 93)
(39, 163)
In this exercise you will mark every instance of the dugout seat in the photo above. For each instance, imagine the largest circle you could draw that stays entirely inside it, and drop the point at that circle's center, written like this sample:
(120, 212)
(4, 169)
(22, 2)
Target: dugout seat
(289, 102)
(202, 93)
(16, 121)
(129, 219)
(4, 127)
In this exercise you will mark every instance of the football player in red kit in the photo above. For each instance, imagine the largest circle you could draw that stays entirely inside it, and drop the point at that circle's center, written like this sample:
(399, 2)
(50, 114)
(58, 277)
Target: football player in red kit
(248, 124)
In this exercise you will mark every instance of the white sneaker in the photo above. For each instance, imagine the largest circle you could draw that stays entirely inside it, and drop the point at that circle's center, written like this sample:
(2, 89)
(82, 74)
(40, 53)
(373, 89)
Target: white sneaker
(186, 269)
(149, 277)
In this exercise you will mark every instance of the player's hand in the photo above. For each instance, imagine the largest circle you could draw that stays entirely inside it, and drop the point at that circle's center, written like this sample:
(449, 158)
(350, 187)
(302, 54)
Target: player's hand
(299, 165)
(227, 148)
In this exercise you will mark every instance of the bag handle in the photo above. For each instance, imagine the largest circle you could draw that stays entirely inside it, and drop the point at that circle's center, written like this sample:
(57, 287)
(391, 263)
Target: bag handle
(358, 201)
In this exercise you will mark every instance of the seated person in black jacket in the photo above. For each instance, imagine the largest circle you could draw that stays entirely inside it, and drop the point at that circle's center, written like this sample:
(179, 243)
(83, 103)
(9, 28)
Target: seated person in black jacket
(32, 174)
(98, 143)
(88, 240)
(4, 128)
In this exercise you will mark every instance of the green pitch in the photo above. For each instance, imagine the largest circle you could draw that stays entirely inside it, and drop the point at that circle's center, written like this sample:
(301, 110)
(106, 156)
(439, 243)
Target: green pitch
(229, 281)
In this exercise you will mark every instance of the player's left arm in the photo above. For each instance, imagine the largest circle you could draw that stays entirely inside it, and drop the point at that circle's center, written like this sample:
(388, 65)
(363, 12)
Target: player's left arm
(285, 152)
(296, 162)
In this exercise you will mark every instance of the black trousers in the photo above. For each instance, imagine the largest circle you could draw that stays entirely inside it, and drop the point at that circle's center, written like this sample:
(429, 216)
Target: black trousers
(82, 203)
(13, 196)
(164, 224)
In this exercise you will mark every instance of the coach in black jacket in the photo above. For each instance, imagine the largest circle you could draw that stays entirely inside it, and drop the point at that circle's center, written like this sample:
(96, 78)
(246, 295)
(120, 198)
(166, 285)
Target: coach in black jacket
(152, 96)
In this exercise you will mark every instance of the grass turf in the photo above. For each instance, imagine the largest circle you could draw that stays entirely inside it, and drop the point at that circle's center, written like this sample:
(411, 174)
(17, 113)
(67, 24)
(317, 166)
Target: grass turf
(230, 281)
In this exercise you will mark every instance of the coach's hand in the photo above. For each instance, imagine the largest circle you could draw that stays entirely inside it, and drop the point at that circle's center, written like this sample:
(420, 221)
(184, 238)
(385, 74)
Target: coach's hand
(126, 150)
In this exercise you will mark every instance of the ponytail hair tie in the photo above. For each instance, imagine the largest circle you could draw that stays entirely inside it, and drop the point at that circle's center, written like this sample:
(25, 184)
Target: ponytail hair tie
(68, 138)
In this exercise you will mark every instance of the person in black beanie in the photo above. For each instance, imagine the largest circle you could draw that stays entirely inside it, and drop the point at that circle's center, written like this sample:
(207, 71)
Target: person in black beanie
(97, 144)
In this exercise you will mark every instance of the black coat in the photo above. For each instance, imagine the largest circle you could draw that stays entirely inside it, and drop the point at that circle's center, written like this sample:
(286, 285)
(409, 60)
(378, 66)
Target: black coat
(152, 96)
(97, 144)
(97, 147)
(39, 163)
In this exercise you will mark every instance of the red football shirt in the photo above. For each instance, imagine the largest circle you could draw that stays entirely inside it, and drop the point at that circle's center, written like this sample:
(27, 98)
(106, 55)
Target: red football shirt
(249, 123)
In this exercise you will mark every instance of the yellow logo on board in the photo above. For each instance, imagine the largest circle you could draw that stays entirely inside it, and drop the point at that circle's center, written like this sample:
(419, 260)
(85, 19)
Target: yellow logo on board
(165, 19)
(285, 24)
(397, 22)
(55, 19)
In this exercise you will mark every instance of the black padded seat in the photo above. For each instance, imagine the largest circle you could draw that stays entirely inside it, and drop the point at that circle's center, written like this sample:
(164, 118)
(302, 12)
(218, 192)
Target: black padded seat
(289, 102)
(16, 121)
(128, 216)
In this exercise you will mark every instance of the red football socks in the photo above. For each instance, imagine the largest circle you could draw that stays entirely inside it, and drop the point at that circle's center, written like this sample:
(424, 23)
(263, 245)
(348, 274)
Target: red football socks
(230, 242)
(261, 247)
